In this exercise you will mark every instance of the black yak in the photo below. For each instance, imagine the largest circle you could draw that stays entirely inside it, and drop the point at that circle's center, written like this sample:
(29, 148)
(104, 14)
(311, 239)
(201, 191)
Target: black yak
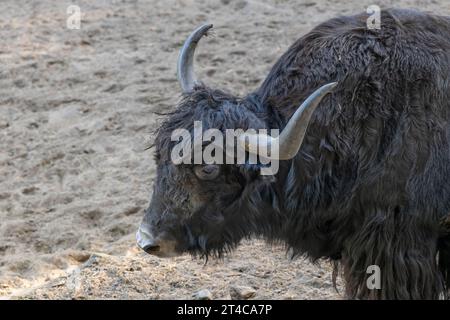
(362, 181)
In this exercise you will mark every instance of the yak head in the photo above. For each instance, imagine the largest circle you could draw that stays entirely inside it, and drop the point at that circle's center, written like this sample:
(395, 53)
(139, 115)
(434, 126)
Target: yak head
(205, 207)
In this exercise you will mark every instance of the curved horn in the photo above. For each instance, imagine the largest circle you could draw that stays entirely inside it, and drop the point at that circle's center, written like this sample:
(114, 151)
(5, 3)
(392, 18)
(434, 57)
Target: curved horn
(291, 138)
(185, 66)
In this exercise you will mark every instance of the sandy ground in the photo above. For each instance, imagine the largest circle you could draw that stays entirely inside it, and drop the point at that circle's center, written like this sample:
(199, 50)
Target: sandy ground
(76, 110)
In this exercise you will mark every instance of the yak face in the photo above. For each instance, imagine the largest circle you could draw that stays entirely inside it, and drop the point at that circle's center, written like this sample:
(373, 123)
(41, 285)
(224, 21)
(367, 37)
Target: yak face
(195, 207)
(192, 210)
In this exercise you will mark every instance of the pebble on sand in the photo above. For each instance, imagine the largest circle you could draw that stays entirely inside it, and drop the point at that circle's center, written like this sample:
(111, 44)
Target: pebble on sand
(203, 294)
(242, 292)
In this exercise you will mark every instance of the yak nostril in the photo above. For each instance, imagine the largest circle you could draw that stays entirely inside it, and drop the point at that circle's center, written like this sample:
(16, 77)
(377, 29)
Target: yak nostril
(145, 240)
(151, 248)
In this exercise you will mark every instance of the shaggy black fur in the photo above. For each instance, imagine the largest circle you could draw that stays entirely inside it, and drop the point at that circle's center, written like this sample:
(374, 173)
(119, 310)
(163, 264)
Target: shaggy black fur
(369, 186)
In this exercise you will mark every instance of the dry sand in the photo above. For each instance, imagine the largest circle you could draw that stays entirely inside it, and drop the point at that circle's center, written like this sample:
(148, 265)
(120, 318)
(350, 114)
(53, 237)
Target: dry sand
(76, 110)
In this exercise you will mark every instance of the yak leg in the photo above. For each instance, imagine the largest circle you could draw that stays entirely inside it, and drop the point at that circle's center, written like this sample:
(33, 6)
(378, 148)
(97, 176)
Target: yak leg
(401, 251)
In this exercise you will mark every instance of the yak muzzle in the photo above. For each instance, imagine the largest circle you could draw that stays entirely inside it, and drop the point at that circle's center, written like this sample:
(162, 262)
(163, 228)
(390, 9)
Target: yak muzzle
(154, 245)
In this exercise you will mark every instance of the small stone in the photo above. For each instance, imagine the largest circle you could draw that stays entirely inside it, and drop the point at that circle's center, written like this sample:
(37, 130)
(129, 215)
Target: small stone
(203, 294)
(4, 124)
(305, 279)
(59, 283)
(241, 292)
(80, 256)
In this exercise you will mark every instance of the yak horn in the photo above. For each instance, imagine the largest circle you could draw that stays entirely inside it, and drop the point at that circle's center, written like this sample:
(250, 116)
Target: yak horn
(185, 66)
(291, 138)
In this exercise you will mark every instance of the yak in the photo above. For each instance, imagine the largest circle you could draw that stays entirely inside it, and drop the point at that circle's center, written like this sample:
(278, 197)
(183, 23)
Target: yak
(364, 162)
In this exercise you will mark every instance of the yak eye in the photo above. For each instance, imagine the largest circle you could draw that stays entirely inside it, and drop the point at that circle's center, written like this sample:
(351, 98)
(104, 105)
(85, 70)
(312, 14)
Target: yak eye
(207, 172)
